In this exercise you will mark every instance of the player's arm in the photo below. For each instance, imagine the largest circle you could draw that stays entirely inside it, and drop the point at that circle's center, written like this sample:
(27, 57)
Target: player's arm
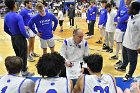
(86, 52)
(105, 18)
(55, 22)
(63, 49)
(124, 18)
(31, 25)
(88, 16)
(78, 88)
(71, 86)
(117, 16)
(21, 26)
(6, 29)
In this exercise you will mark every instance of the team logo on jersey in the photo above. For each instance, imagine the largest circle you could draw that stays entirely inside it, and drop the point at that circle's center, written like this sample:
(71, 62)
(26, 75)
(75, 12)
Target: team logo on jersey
(44, 22)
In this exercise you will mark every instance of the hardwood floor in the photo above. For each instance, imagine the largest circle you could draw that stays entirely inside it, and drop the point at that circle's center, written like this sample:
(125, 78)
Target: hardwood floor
(7, 50)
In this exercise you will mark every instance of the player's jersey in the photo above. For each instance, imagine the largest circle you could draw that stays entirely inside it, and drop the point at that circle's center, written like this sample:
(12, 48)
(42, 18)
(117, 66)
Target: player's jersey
(27, 14)
(52, 85)
(94, 84)
(16, 84)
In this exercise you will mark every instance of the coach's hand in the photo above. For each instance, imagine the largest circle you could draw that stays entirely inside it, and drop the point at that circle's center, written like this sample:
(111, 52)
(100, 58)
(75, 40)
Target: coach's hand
(68, 64)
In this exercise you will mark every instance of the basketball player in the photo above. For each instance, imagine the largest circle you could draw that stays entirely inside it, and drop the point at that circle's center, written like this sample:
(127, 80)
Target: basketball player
(131, 42)
(110, 28)
(102, 21)
(135, 88)
(12, 82)
(43, 22)
(91, 19)
(27, 14)
(61, 19)
(49, 67)
(96, 82)
(14, 26)
(121, 20)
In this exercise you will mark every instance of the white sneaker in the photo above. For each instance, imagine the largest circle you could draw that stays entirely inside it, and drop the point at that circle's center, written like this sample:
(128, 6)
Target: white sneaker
(30, 58)
(87, 37)
(91, 36)
(34, 54)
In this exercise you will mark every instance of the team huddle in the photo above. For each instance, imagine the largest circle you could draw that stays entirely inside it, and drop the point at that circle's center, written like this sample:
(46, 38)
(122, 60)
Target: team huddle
(74, 69)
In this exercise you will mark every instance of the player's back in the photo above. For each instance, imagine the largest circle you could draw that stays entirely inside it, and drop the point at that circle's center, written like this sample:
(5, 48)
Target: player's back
(94, 84)
(52, 85)
(15, 84)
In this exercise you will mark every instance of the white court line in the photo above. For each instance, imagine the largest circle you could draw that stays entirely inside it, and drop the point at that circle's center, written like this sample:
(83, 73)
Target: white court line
(0, 58)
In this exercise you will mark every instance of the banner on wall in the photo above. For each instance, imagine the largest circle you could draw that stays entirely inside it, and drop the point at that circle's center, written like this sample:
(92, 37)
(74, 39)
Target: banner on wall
(69, 0)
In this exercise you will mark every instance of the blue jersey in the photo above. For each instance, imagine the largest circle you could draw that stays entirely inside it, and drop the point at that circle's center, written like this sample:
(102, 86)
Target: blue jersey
(121, 18)
(44, 25)
(91, 13)
(103, 17)
(27, 14)
(14, 25)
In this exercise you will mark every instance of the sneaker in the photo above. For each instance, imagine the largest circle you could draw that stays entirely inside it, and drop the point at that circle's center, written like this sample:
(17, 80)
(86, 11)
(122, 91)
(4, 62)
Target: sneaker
(118, 64)
(105, 47)
(34, 55)
(120, 69)
(99, 42)
(87, 33)
(87, 37)
(61, 30)
(91, 36)
(113, 57)
(30, 58)
(109, 50)
(127, 77)
(27, 74)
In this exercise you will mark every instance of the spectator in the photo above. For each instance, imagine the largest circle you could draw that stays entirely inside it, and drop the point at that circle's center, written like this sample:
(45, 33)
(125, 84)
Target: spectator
(71, 15)
(61, 19)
